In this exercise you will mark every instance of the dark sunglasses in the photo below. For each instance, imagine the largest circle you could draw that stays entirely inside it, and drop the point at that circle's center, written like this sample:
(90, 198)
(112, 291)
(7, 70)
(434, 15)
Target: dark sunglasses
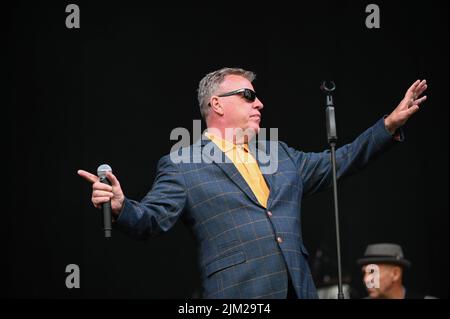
(247, 94)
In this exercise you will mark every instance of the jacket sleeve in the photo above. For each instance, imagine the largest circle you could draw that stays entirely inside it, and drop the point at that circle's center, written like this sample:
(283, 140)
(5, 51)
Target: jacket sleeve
(316, 169)
(159, 210)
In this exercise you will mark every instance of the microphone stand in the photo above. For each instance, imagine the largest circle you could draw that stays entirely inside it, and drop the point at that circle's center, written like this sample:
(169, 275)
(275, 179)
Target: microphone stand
(332, 138)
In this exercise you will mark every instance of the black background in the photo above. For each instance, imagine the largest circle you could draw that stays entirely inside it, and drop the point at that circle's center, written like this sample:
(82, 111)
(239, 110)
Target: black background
(112, 91)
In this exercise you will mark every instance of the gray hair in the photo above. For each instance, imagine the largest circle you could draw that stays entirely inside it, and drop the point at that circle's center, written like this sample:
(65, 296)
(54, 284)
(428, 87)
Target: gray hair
(211, 82)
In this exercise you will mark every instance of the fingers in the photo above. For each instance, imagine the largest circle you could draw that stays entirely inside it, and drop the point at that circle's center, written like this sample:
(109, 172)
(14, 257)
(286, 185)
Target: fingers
(413, 87)
(99, 197)
(413, 109)
(417, 89)
(419, 101)
(98, 193)
(421, 88)
(101, 193)
(112, 179)
(99, 186)
(98, 201)
(93, 179)
(88, 176)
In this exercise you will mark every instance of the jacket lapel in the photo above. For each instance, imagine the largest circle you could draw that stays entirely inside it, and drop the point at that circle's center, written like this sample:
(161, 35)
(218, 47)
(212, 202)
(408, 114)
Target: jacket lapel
(227, 167)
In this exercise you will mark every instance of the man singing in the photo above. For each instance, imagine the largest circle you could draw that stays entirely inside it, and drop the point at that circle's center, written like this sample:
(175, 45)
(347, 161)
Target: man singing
(247, 222)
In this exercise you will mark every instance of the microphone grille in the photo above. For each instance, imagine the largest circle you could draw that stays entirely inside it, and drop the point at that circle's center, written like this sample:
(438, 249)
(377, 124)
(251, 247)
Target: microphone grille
(103, 169)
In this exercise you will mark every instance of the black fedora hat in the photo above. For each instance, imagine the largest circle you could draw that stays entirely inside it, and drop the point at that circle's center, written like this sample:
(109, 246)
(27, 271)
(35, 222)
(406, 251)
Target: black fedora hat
(384, 253)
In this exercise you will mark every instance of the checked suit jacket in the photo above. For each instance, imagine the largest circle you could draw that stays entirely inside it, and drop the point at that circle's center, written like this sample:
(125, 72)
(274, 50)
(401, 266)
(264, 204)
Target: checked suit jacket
(245, 250)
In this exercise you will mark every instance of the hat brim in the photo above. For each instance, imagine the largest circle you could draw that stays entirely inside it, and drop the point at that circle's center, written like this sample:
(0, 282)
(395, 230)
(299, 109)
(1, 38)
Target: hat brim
(384, 260)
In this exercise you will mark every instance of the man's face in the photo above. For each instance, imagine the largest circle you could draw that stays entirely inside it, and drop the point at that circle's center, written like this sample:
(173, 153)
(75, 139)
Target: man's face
(237, 111)
(388, 275)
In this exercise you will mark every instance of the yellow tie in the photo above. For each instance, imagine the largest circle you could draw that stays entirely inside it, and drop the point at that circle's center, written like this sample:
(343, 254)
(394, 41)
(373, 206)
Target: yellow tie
(247, 166)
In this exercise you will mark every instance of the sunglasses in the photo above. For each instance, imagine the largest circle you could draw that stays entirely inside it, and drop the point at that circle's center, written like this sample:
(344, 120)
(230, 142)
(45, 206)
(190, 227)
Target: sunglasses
(247, 94)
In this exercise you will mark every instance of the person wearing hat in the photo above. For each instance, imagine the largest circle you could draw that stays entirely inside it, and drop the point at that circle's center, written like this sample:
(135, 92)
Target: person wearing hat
(382, 267)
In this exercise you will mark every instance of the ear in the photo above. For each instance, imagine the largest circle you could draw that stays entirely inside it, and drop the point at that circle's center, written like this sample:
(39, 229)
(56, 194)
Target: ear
(396, 273)
(215, 105)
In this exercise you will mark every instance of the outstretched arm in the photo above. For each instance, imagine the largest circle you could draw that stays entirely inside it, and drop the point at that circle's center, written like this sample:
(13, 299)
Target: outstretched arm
(160, 209)
(157, 212)
(315, 168)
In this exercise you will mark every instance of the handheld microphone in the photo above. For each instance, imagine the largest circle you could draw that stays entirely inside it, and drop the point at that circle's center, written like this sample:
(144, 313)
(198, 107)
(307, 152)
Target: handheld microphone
(106, 207)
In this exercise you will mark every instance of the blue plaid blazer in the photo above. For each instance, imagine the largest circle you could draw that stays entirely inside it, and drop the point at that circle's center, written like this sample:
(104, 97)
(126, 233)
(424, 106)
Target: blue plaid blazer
(245, 250)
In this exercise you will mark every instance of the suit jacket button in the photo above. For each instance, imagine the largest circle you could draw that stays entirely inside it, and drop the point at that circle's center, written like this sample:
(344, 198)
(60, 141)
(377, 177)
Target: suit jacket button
(269, 213)
(279, 240)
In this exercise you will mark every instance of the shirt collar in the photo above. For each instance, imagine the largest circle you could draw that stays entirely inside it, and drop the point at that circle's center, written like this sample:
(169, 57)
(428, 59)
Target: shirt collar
(225, 145)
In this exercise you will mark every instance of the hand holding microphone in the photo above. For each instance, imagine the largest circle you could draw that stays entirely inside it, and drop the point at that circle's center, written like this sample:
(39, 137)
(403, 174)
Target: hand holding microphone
(106, 191)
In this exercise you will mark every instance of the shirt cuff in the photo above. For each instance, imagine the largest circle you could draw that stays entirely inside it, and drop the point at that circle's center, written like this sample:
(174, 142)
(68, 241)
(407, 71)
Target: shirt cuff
(398, 135)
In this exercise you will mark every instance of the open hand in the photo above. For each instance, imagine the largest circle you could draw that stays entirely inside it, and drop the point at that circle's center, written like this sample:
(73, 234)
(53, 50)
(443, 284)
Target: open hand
(407, 107)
